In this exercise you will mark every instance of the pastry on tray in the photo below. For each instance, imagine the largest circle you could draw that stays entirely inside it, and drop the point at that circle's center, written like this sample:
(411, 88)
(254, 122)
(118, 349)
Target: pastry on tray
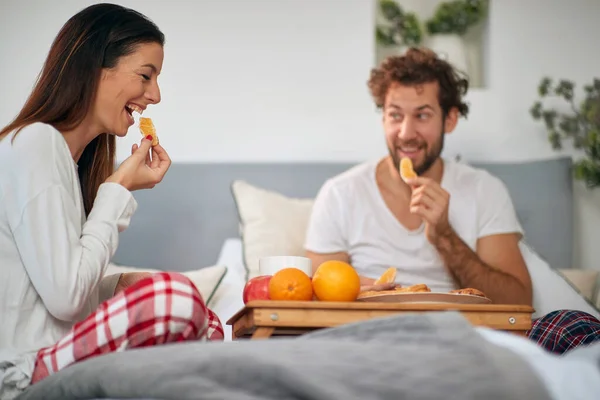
(419, 288)
(468, 291)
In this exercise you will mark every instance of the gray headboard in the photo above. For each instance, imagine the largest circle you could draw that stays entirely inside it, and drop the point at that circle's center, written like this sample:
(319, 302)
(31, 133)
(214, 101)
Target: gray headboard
(182, 223)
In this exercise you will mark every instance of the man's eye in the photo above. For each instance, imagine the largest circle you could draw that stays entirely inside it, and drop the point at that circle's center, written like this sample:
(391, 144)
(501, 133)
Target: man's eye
(423, 116)
(146, 77)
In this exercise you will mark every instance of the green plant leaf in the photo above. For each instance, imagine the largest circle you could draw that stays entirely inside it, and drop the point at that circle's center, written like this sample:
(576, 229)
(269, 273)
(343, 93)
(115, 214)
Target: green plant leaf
(581, 126)
(456, 17)
(536, 110)
(544, 87)
(569, 125)
(555, 140)
(587, 171)
(412, 30)
(385, 36)
(401, 28)
(564, 89)
(549, 119)
(390, 10)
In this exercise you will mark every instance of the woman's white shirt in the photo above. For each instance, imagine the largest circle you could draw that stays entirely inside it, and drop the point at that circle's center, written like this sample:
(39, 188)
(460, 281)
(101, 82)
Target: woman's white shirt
(53, 259)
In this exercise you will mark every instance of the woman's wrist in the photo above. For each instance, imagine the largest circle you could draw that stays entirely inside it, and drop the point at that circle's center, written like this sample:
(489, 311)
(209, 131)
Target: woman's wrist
(117, 178)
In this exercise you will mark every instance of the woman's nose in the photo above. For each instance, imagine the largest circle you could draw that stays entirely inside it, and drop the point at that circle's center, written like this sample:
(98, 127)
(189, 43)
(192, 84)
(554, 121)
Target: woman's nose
(153, 93)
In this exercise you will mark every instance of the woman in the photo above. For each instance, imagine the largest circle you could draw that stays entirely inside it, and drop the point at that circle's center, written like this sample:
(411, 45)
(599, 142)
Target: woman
(62, 206)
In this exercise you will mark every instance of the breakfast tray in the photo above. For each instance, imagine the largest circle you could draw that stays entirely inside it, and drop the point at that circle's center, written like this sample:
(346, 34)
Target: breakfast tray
(262, 319)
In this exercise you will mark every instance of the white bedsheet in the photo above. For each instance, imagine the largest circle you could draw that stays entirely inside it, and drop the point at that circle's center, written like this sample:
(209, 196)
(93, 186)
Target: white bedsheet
(573, 376)
(227, 299)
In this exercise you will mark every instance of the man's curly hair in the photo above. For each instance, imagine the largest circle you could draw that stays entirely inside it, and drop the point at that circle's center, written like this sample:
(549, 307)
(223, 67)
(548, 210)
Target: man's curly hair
(418, 66)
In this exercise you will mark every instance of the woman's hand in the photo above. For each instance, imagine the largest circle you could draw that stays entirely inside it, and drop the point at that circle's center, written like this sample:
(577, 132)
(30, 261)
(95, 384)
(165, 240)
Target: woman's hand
(130, 278)
(139, 171)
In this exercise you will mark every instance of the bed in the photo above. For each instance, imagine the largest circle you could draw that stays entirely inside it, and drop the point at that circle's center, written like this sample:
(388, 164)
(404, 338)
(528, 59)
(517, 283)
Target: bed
(200, 209)
(203, 233)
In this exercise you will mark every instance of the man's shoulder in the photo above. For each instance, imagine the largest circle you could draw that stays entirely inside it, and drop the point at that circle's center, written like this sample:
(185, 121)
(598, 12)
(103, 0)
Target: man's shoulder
(477, 182)
(355, 177)
(469, 176)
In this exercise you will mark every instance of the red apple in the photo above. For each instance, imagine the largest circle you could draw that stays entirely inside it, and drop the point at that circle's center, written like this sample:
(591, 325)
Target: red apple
(257, 289)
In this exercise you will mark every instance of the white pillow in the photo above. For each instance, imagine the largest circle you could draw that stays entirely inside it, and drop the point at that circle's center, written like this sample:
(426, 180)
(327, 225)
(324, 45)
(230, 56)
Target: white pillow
(551, 291)
(271, 223)
(583, 280)
(206, 280)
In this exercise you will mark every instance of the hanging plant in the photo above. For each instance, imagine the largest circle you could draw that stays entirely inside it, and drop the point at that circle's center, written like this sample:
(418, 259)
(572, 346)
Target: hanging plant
(400, 28)
(456, 17)
(581, 125)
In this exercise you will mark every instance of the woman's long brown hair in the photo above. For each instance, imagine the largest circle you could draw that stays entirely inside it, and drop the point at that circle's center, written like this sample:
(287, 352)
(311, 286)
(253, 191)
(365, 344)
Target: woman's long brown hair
(93, 39)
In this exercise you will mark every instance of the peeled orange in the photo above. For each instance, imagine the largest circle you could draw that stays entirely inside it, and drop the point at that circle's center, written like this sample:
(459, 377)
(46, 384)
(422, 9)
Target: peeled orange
(336, 281)
(406, 169)
(290, 284)
(147, 128)
(389, 276)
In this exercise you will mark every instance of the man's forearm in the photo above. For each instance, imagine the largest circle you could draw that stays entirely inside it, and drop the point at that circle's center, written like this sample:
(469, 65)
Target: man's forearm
(469, 271)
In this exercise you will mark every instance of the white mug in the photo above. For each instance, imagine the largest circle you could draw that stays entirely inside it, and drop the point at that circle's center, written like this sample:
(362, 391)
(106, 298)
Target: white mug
(273, 264)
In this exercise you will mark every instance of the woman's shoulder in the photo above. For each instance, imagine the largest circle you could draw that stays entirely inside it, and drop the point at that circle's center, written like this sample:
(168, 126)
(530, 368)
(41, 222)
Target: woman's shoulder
(37, 146)
(36, 139)
(37, 134)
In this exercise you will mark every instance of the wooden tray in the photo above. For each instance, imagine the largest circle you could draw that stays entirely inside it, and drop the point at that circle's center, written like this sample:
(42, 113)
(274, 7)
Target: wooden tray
(264, 318)
(425, 297)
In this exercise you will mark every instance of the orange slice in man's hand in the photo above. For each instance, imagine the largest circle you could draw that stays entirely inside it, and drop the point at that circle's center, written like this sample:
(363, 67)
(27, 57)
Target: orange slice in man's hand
(147, 129)
(389, 276)
(406, 169)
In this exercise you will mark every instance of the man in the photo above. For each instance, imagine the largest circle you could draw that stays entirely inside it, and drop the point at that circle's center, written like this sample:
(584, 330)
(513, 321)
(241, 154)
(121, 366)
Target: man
(453, 226)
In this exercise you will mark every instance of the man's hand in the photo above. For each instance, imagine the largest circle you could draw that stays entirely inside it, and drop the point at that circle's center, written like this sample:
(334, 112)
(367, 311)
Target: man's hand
(128, 279)
(379, 287)
(497, 269)
(430, 202)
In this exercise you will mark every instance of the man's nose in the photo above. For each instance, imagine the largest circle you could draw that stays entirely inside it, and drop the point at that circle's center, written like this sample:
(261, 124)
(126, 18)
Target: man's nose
(407, 129)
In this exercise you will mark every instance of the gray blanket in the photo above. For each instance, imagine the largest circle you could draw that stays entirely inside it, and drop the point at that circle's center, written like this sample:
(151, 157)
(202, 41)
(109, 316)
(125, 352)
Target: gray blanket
(432, 356)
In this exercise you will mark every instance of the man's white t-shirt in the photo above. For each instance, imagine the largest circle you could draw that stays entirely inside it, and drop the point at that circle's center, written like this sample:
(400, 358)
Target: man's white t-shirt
(349, 215)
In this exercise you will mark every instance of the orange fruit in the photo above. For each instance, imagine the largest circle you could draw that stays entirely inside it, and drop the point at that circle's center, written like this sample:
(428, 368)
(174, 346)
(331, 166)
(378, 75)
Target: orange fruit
(147, 128)
(336, 281)
(290, 284)
(389, 276)
(406, 169)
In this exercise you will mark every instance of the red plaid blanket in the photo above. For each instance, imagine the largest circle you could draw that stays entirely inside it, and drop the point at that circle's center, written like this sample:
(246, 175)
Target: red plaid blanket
(163, 308)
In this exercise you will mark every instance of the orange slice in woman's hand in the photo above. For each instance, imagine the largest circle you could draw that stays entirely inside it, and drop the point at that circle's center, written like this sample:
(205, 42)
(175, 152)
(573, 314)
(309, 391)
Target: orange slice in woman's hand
(406, 169)
(147, 128)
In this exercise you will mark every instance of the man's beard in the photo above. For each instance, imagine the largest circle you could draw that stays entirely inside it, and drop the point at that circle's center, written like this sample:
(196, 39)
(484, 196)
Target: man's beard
(431, 155)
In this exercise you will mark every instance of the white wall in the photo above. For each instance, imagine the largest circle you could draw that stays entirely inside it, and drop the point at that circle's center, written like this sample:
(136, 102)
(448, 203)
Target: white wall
(285, 80)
